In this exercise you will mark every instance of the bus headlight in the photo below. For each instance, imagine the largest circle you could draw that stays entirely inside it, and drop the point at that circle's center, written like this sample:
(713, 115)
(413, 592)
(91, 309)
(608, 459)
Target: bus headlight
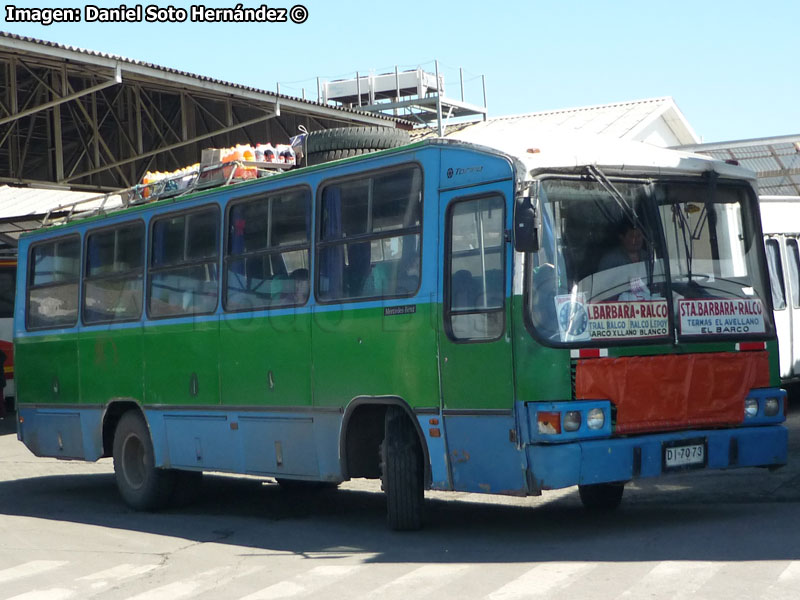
(596, 418)
(771, 407)
(750, 407)
(572, 420)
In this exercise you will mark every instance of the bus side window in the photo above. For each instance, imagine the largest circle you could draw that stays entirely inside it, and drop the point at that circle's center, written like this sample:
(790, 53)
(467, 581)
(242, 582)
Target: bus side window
(113, 281)
(776, 274)
(370, 234)
(793, 258)
(266, 258)
(475, 292)
(53, 284)
(183, 267)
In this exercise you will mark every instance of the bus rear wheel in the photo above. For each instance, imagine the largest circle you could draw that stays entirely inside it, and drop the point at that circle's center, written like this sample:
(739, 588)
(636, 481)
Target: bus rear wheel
(141, 485)
(601, 496)
(402, 473)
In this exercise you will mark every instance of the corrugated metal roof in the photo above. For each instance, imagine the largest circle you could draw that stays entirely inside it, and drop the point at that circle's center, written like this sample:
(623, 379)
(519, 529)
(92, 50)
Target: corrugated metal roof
(775, 160)
(623, 120)
(617, 120)
(26, 201)
(22, 208)
(46, 46)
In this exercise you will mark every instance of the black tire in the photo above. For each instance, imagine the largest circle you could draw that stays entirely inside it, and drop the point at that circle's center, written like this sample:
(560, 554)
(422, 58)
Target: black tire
(601, 497)
(353, 138)
(300, 485)
(402, 473)
(328, 155)
(141, 485)
(344, 142)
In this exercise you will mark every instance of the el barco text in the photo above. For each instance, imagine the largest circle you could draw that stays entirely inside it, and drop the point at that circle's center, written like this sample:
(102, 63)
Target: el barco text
(153, 13)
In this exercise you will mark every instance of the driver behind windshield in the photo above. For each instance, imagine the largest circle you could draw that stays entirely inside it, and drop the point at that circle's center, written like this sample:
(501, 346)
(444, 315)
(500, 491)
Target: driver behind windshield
(630, 248)
(629, 259)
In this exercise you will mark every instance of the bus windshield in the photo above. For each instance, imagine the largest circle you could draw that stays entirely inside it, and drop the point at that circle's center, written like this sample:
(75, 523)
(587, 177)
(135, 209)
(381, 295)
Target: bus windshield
(633, 260)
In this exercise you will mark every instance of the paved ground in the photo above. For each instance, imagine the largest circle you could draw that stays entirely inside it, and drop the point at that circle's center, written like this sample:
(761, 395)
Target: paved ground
(64, 534)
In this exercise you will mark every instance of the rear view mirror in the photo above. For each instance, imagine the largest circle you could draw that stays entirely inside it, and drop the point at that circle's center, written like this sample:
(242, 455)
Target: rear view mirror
(527, 224)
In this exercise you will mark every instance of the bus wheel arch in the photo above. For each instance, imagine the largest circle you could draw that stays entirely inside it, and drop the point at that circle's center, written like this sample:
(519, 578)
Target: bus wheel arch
(111, 416)
(363, 431)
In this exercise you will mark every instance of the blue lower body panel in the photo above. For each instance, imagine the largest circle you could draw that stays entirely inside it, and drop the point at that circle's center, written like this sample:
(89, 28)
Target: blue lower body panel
(67, 433)
(482, 456)
(553, 466)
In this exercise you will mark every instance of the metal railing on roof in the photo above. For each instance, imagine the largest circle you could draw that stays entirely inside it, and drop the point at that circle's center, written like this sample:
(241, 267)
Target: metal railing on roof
(211, 176)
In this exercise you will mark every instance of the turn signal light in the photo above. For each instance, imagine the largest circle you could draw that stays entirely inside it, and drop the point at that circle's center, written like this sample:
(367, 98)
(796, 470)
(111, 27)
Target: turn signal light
(549, 422)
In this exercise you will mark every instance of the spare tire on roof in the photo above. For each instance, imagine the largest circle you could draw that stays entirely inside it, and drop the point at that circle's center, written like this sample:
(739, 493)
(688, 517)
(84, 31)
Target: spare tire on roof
(332, 144)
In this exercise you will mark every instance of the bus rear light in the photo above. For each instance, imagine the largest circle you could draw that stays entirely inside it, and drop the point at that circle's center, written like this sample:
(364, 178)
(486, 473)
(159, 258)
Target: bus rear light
(750, 346)
(572, 420)
(435, 432)
(549, 423)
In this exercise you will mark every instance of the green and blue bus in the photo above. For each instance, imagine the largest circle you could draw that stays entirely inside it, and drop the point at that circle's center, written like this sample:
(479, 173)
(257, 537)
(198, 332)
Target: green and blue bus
(441, 315)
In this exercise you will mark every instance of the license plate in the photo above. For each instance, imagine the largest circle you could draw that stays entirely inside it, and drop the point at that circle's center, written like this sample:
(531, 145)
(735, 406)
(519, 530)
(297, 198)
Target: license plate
(685, 454)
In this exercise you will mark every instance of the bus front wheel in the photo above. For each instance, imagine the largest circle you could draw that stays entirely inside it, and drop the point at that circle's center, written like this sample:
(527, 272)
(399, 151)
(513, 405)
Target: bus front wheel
(601, 496)
(402, 473)
(141, 485)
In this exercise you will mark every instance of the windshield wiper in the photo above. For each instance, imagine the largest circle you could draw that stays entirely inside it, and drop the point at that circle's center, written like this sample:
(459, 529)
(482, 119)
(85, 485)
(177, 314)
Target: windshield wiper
(629, 212)
(601, 178)
(688, 246)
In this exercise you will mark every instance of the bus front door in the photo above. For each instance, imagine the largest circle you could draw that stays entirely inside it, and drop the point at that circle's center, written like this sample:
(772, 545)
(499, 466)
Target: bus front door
(475, 357)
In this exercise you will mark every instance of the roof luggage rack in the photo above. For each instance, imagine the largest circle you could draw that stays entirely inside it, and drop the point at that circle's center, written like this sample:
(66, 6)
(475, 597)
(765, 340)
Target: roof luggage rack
(186, 182)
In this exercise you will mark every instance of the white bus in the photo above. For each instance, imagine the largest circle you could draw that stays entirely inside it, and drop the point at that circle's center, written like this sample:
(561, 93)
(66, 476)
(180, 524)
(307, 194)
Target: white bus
(780, 217)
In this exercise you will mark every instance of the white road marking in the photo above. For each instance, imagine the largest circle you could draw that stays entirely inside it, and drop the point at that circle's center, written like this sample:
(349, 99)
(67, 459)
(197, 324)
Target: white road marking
(422, 579)
(51, 594)
(675, 579)
(28, 569)
(308, 582)
(790, 573)
(171, 591)
(185, 588)
(541, 580)
(123, 571)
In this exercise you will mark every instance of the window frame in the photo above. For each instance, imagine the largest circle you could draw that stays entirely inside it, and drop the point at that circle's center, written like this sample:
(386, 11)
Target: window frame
(149, 257)
(447, 311)
(752, 226)
(270, 251)
(29, 282)
(368, 237)
(86, 278)
(774, 241)
(793, 258)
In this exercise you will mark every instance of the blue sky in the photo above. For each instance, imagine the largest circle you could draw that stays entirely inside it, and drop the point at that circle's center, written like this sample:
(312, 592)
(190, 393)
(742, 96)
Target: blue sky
(732, 67)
